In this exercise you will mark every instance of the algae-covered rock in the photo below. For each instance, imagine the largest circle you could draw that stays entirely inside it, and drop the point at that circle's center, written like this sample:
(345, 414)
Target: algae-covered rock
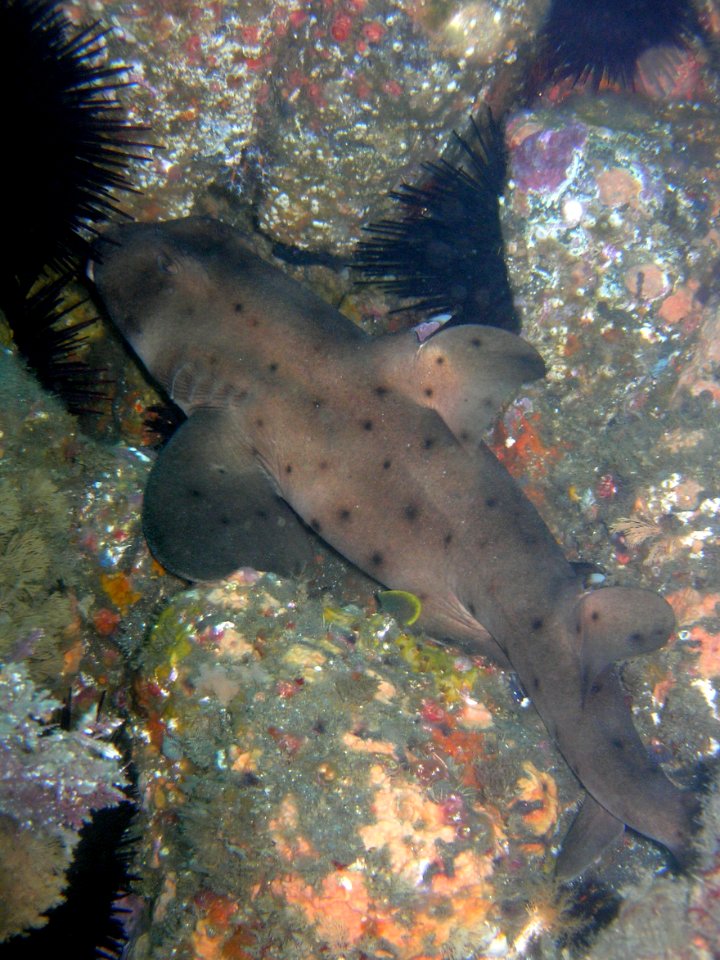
(317, 780)
(51, 781)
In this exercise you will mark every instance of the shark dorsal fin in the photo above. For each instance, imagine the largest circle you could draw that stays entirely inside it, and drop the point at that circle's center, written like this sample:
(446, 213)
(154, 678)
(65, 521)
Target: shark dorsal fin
(466, 373)
(616, 623)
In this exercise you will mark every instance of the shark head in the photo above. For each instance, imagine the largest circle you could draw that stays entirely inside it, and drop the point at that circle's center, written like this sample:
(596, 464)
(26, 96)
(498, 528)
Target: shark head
(161, 279)
(183, 291)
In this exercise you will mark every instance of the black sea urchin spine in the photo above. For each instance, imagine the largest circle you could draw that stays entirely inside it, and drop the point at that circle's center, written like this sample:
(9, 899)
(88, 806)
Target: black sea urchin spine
(446, 252)
(596, 41)
(67, 152)
(68, 141)
(53, 343)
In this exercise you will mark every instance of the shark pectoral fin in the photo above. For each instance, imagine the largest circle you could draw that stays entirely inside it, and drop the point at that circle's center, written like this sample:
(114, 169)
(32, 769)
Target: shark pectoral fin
(617, 623)
(592, 830)
(466, 373)
(210, 508)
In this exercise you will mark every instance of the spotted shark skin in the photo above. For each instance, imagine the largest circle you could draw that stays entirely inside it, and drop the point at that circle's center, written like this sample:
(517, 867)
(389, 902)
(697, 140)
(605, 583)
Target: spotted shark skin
(298, 419)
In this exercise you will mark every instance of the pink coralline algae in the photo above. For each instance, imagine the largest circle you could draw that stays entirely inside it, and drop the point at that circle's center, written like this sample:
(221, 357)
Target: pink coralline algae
(51, 778)
(542, 161)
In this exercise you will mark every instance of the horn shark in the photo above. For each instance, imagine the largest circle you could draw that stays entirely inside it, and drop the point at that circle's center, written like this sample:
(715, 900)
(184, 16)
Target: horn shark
(298, 419)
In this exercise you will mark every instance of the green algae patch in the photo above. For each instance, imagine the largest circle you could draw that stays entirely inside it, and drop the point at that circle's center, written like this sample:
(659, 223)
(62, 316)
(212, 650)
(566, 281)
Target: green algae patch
(170, 639)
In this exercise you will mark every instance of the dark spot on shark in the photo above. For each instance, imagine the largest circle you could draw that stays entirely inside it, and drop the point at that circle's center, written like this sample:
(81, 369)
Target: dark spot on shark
(428, 443)
(377, 559)
(367, 424)
(387, 464)
(410, 512)
(594, 615)
(471, 608)
(428, 391)
(490, 502)
(262, 514)
(344, 514)
(259, 422)
(464, 436)
(315, 524)
(440, 360)
(323, 465)
(288, 468)
(618, 743)
(225, 521)
(195, 493)
(596, 687)
(381, 391)
(536, 683)
(238, 308)
(273, 367)
(476, 341)
(537, 623)
(447, 539)
(635, 639)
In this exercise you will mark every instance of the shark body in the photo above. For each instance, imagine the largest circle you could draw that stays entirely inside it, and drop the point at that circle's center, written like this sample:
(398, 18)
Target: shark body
(298, 419)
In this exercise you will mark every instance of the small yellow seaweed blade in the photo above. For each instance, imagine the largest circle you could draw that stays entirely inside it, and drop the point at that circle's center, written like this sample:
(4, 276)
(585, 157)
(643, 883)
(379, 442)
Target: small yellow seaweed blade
(404, 606)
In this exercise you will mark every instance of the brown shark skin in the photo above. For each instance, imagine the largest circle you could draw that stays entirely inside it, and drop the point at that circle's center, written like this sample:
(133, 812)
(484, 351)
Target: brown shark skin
(342, 426)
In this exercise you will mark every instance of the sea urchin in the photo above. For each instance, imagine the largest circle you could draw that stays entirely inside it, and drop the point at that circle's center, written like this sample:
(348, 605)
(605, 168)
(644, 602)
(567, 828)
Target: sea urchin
(596, 41)
(68, 141)
(446, 252)
(68, 148)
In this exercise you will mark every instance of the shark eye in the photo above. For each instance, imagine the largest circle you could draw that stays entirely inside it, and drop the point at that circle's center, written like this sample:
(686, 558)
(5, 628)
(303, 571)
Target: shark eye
(166, 264)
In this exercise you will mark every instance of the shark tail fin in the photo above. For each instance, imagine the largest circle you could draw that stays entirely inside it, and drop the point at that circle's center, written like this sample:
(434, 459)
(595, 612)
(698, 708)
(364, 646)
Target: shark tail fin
(594, 829)
(591, 832)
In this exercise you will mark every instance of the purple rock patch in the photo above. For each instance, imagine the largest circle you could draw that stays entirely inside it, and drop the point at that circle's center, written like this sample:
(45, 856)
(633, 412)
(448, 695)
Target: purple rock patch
(541, 162)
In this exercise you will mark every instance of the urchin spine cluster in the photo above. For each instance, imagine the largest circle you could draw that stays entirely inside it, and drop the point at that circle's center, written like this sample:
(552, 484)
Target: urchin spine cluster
(69, 148)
